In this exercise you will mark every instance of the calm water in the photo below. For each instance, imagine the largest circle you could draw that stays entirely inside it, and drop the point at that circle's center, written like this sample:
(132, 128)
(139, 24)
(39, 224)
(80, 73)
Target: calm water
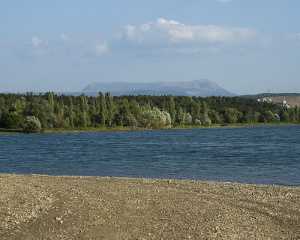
(254, 155)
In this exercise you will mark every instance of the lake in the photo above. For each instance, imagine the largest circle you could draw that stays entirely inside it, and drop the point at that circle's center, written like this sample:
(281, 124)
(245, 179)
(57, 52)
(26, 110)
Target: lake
(264, 155)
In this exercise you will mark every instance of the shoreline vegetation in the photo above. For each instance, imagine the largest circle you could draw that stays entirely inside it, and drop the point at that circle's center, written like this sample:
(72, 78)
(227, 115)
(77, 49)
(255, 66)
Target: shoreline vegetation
(39, 207)
(129, 129)
(32, 113)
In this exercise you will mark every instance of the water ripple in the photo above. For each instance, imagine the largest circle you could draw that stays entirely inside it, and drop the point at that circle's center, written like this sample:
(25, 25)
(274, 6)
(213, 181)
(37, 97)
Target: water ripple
(253, 155)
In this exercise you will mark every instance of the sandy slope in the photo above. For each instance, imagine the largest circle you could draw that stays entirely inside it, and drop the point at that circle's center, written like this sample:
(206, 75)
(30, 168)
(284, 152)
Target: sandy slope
(41, 207)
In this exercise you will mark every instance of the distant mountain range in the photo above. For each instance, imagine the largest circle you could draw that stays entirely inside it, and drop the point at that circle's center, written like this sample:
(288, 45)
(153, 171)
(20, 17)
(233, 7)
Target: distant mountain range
(201, 88)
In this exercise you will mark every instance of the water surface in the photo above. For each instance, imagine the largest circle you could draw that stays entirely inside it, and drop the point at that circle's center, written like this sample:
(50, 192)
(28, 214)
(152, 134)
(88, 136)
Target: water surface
(267, 155)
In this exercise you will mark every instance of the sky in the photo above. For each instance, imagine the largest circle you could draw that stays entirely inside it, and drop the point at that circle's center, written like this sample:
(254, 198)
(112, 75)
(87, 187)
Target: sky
(246, 46)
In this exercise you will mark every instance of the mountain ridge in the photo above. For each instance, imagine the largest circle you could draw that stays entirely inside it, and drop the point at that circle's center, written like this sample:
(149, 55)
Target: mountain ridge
(201, 88)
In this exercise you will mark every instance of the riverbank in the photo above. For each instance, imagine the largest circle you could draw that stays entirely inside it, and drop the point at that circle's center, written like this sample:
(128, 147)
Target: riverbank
(127, 129)
(40, 207)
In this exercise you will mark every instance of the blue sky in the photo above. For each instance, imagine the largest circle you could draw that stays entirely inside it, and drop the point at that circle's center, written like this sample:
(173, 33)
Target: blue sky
(246, 46)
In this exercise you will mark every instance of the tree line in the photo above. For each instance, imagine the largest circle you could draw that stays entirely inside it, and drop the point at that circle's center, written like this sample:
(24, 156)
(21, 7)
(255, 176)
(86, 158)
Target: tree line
(32, 112)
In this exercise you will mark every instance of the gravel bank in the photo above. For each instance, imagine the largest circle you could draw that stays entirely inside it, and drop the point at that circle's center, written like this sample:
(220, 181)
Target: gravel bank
(43, 207)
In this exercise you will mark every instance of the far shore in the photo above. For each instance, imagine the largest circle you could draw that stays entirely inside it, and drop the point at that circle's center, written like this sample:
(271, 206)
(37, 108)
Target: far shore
(45, 207)
(128, 129)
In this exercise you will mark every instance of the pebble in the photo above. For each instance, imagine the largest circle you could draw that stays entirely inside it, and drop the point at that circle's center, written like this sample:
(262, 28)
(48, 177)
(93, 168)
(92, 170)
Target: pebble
(59, 219)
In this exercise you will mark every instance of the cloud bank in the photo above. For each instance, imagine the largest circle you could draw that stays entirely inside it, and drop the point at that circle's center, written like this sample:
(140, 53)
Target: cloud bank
(174, 32)
(160, 37)
(102, 49)
(38, 42)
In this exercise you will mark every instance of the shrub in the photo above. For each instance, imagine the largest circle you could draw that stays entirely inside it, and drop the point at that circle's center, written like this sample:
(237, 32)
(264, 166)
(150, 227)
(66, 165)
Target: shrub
(11, 120)
(154, 118)
(187, 119)
(198, 122)
(206, 121)
(32, 125)
(232, 115)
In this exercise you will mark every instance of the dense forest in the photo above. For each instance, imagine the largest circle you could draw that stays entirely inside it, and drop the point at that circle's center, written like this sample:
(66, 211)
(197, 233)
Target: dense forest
(31, 112)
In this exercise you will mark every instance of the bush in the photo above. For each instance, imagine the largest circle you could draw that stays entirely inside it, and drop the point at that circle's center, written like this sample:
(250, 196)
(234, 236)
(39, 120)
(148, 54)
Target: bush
(187, 119)
(32, 125)
(11, 120)
(154, 118)
(198, 122)
(206, 121)
(268, 117)
(232, 115)
(130, 121)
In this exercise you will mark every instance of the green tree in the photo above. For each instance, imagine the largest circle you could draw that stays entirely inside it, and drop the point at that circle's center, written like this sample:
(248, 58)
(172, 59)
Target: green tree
(171, 108)
(180, 116)
(110, 109)
(50, 97)
(70, 112)
(11, 120)
(215, 117)
(284, 116)
(32, 124)
(187, 119)
(83, 114)
(123, 115)
(102, 109)
(267, 116)
(231, 115)
(60, 119)
(155, 118)
(195, 112)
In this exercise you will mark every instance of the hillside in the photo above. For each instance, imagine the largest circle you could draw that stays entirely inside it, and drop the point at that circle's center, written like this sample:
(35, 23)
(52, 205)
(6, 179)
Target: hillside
(293, 99)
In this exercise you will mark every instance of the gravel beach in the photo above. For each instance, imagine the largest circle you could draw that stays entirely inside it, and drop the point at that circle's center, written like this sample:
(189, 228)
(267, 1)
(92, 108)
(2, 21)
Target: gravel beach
(44, 207)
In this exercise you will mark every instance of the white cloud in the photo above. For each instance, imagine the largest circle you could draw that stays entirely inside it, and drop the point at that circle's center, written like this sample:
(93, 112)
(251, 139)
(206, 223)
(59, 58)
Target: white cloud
(102, 49)
(38, 42)
(174, 32)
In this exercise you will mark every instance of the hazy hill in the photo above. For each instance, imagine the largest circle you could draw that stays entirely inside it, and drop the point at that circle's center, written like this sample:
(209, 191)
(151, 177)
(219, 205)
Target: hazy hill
(201, 88)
